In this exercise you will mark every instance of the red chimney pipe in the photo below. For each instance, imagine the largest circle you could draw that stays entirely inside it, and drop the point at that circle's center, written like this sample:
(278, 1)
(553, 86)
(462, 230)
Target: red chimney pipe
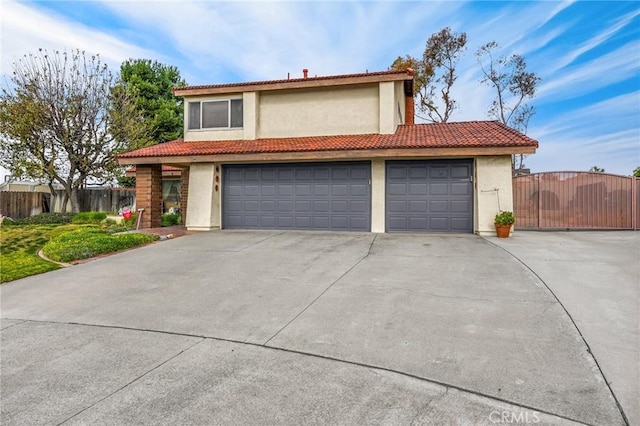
(305, 73)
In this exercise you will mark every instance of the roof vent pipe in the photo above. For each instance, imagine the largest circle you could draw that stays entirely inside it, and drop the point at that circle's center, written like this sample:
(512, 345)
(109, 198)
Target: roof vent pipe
(305, 73)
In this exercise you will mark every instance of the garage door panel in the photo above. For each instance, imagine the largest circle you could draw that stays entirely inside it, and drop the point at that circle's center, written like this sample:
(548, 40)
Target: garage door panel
(340, 222)
(268, 190)
(321, 206)
(303, 206)
(251, 206)
(321, 222)
(460, 172)
(268, 206)
(285, 206)
(396, 172)
(429, 195)
(298, 196)
(320, 190)
(304, 190)
(321, 174)
(439, 223)
(339, 206)
(460, 207)
(460, 188)
(303, 174)
(285, 174)
(438, 188)
(359, 174)
(418, 188)
(417, 173)
(268, 175)
(357, 206)
(417, 206)
(397, 206)
(417, 223)
(460, 223)
(397, 189)
(359, 190)
(234, 190)
(438, 172)
(340, 190)
(438, 206)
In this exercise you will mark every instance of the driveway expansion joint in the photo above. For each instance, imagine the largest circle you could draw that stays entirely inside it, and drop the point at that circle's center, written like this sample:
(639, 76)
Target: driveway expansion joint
(446, 386)
(130, 382)
(575, 324)
(325, 290)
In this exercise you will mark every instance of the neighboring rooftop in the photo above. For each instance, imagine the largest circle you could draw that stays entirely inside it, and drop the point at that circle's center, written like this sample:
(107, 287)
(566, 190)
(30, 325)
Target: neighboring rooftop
(296, 83)
(471, 134)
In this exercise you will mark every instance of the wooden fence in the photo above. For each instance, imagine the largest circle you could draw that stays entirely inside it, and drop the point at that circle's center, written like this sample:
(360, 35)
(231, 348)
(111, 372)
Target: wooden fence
(576, 200)
(97, 199)
(18, 205)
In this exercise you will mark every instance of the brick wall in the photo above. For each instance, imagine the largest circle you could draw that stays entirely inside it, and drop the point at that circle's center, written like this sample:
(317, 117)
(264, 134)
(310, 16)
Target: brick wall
(149, 194)
(409, 109)
(184, 194)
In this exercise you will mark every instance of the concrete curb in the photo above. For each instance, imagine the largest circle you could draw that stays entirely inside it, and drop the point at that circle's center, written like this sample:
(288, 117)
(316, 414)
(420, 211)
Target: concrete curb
(42, 256)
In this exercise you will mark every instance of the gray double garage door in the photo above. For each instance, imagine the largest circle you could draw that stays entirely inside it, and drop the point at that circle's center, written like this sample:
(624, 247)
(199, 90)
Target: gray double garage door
(423, 196)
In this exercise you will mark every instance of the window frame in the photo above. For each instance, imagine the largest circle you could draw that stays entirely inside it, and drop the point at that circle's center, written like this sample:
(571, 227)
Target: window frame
(201, 112)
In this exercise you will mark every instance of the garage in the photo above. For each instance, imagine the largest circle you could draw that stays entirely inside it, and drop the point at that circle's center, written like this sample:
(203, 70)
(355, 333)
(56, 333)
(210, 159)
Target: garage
(429, 196)
(313, 196)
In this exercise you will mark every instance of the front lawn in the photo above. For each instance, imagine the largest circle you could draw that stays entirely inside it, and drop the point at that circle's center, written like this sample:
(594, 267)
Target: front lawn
(20, 245)
(64, 243)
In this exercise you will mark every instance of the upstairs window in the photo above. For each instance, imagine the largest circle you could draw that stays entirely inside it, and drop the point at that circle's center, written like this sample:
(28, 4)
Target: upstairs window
(224, 114)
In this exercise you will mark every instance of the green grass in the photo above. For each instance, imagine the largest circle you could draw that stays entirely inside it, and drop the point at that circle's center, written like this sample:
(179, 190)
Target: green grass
(19, 246)
(90, 242)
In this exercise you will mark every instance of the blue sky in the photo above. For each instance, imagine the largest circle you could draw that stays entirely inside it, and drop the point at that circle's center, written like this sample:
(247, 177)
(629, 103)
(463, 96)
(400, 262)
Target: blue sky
(587, 53)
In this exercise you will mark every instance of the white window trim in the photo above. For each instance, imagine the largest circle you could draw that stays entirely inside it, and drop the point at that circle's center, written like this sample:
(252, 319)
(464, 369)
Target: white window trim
(209, 129)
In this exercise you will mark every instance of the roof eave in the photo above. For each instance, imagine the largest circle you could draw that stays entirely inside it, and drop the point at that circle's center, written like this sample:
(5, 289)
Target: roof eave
(395, 153)
(291, 84)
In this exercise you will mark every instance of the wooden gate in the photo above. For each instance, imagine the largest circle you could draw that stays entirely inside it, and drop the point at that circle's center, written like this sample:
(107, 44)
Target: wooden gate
(576, 200)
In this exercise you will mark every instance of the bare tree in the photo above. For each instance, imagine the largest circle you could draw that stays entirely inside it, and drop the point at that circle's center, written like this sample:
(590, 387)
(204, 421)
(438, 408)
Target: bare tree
(56, 120)
(435, 73)
(513, 85)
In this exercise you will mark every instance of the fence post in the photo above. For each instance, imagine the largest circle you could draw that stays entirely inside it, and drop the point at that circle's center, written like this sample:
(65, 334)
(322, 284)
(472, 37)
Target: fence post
(539, 199)
(634, 203)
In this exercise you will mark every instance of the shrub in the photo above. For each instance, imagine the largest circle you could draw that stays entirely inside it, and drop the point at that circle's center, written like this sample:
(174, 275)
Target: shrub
(504, 218)
(89, 242)
(171, 219)
(89, 217)
(46, 219)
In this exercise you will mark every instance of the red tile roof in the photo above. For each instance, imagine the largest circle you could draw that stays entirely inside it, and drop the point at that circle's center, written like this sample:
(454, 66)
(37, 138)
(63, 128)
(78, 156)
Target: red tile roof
(407, 73)
(169, 169)
(470, 134)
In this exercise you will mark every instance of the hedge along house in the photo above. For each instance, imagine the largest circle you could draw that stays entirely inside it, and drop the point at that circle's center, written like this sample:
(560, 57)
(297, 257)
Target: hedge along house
(329, 153)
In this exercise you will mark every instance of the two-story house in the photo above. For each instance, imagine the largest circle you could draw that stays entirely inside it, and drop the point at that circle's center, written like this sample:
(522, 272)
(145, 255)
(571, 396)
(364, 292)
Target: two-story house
(329, 153)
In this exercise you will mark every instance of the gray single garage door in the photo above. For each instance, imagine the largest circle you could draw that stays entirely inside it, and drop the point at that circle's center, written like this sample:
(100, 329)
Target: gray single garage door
(324, 196)
(429, 196)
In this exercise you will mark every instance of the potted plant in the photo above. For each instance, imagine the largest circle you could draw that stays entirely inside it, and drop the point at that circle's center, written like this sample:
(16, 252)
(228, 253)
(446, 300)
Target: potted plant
(503, 222)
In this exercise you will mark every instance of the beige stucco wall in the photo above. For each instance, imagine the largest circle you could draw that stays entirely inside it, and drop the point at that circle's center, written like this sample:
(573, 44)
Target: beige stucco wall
(378, 196)
(204, 206)
(493, 184)
(387, 107)
(319, 112)
(399, 103)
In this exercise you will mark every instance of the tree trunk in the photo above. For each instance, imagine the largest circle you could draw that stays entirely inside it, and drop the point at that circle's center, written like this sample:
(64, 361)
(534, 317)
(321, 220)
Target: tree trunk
(75, 204)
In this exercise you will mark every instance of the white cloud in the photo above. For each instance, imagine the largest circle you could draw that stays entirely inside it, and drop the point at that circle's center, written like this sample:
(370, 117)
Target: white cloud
(25, 29)
(618, 65)
(593, 42)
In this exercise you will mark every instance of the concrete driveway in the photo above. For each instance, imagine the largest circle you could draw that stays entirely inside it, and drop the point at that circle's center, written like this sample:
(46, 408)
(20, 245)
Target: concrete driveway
(296, 328)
